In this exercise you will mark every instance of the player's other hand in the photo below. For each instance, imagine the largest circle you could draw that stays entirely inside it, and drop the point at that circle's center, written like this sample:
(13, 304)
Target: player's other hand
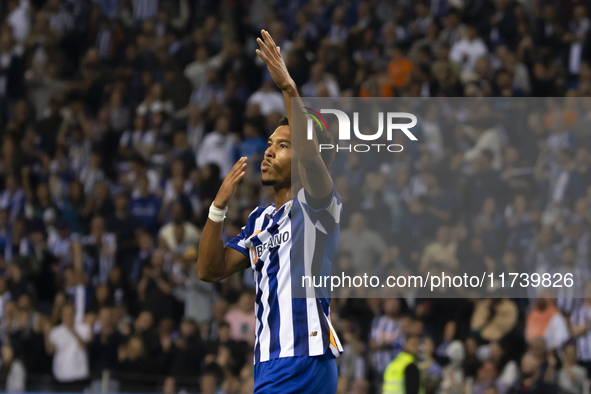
(229, 185)
(269, 52)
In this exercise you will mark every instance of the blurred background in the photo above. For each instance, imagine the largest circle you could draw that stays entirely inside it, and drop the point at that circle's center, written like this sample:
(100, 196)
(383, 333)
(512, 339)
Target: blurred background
(120, 118)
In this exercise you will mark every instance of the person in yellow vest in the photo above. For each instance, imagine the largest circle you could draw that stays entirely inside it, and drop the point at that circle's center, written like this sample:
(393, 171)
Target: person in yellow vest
(402, 375)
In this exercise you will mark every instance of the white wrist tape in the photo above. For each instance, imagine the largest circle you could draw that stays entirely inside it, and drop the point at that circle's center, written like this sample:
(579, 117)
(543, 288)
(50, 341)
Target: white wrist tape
(217, 215)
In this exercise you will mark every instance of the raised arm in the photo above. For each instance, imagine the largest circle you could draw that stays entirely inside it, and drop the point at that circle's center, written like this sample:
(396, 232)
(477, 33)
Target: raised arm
(313, 172)
(216, 261)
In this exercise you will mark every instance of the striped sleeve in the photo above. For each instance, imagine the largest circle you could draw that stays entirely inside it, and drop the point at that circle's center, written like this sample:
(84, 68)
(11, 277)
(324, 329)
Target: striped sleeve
(239, 242)
(327, 218)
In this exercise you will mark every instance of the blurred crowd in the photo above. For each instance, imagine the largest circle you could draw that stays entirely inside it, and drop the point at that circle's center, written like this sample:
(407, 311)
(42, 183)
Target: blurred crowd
(120, 118)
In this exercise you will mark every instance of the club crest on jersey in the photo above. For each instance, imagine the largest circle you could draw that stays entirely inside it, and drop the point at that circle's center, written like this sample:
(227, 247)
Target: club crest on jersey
(287, 210)
(273, 242)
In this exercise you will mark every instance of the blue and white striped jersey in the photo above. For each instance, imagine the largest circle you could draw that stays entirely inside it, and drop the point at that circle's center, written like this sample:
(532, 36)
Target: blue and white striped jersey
(581, 317)
(282, 245)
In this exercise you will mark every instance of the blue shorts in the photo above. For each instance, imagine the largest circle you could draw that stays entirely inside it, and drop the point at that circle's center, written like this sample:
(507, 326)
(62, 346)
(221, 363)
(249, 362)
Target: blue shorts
(302, 374)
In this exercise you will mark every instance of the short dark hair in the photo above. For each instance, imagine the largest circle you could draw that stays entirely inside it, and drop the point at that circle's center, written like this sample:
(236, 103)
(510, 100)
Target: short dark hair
(324, 137)
(284, 121)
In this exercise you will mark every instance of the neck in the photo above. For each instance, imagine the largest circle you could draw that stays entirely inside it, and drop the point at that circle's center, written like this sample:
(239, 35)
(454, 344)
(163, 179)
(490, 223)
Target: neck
(282, 195)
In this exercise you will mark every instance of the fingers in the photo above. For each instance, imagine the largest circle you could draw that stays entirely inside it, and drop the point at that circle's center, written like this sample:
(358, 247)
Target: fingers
(262, 56)
(264, 48)
(238, 168)
(268, 38)
(267, 45)
(241, 161)
(240, 164)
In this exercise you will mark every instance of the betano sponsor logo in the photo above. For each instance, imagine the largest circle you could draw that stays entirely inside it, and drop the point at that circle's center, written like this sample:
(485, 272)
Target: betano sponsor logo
(345, 130)
(274, 241)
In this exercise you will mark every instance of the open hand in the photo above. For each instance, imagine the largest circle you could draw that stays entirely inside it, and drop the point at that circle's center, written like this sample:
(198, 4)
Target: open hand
(229, 185)
(270, 54)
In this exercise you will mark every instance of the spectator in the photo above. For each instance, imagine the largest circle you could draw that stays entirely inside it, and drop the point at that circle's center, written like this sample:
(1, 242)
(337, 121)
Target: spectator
(14, 369)
(580, 325)
(143, 326)
(320, 81)
(399, 68)
(196, 71)
(188, 351)
(142, 259)
(209, 383)
(368, 244)
(485, 182)
(402, 374)
(468, 50)
(105, 344)
(508, 370)
(168, 234)
(531, 380)
(238, 349)
(12, 198)
(486, 378)
(494, 318)
(169, 385)
(101, 249)
(571, 377)
(218, 148)
(545, 321)
(199, 296)
(430, 368)
(145, 206)
(195, 127)
(138, 140)
(253, 146)
(487, 139)
(453, 374)
(267, 99)
(155, 289)
(352, 365)
(579, 26)
(386, 337)
(68, 343)
(242, 320)
(568, 301)
(19, 18)
(441, 253)
(133, 358)
(124, 226)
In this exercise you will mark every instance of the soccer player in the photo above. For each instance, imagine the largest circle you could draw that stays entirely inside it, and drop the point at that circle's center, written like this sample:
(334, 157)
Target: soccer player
(295, 344)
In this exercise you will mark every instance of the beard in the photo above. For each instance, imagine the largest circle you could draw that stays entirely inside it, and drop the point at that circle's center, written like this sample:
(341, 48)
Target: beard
(269, 182)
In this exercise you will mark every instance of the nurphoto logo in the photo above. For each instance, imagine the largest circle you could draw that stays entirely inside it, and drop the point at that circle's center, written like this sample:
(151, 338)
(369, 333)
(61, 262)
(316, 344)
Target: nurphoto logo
(345, 129)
